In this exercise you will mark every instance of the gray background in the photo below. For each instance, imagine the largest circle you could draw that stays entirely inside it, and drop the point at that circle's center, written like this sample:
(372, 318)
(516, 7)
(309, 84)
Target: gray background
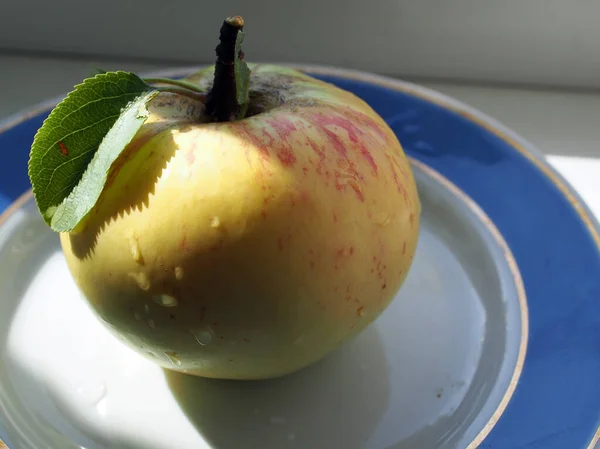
(541, 42)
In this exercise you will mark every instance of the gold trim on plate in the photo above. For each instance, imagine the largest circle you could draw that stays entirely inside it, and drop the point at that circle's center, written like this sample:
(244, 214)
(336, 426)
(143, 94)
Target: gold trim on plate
(469, 113)
(595, 439)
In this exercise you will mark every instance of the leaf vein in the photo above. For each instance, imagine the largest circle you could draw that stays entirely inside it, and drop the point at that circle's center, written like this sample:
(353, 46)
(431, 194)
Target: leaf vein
(92, 102)
(76, 132)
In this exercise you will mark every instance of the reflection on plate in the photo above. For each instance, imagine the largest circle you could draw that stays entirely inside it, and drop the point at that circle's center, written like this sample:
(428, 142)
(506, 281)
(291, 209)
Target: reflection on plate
(431, 372)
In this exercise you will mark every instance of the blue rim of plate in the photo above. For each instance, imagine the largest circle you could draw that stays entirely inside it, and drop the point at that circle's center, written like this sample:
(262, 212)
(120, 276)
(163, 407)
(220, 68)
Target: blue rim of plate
(553, 399)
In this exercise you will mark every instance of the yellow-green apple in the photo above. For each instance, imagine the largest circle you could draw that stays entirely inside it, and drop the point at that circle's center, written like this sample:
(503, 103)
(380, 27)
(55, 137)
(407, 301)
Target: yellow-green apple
(250, 248)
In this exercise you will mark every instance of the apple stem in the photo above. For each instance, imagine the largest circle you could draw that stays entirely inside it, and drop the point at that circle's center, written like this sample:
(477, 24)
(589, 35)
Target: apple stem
(228, 98)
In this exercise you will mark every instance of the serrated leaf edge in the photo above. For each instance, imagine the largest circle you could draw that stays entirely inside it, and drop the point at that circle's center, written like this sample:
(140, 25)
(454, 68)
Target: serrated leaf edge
(141, 114)
(47, 215)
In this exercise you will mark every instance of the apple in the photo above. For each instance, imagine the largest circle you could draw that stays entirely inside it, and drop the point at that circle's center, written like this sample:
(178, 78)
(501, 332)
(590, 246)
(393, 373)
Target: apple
(250, 248)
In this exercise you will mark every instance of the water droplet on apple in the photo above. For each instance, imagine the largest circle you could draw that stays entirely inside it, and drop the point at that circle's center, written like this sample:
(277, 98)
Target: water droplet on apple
(137, 316)
(382, 220)
(178, 273)
(172, 356)
(134, 248)
(152, 324)
(215, 222)
(141, 279)
(204, 337)
(165, 300)
(146, 308)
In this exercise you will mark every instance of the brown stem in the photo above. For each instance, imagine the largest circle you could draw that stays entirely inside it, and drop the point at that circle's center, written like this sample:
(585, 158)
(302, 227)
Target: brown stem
(222, 101)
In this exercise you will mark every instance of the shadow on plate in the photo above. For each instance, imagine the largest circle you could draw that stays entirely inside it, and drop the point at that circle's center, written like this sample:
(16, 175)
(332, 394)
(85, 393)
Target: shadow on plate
(336, 403)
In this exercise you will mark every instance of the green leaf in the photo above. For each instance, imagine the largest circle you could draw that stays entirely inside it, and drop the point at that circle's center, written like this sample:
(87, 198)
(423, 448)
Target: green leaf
(242, 76)
(85, 194)
(84, 134)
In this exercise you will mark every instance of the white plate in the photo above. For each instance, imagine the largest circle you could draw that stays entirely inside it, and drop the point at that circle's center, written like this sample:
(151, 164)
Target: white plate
(435, 370)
